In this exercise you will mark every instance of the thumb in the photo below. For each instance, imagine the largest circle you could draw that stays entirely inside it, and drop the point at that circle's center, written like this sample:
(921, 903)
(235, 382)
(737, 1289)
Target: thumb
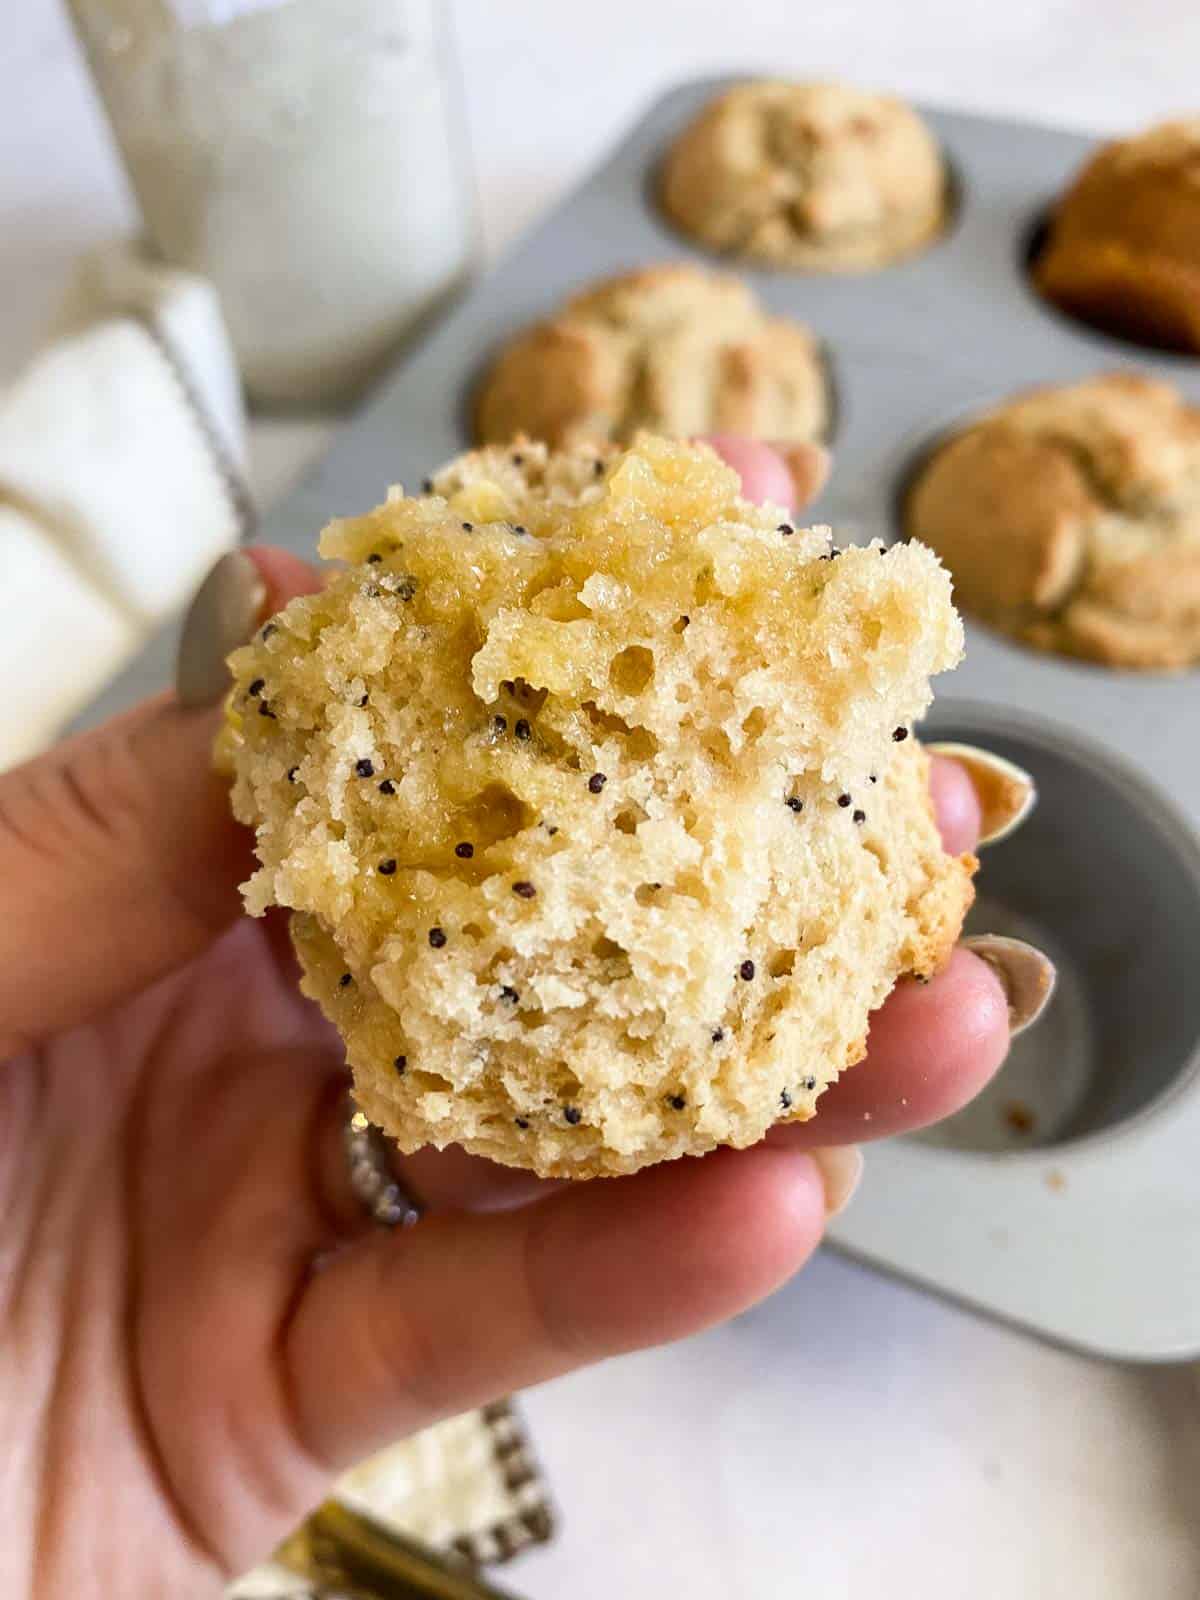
(118, 853)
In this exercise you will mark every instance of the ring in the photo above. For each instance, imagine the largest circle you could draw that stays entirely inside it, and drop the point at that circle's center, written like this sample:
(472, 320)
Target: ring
(370, 1171)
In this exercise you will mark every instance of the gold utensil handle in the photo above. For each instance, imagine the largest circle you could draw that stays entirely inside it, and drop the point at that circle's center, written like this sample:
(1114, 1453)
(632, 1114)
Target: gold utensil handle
(348, 1554)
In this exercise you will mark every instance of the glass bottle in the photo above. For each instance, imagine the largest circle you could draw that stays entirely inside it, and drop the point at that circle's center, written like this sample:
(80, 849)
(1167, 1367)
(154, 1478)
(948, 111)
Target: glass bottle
(308, 156)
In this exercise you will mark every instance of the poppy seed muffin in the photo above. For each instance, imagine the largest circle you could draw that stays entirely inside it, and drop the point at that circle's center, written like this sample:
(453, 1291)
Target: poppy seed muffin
(591, 790)
(819, 177)
(675, 349)
(1070, 518)
(1123, 251)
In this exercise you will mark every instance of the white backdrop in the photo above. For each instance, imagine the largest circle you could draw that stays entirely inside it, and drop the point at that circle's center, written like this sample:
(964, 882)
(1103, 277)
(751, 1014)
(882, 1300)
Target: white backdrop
(854, 1437)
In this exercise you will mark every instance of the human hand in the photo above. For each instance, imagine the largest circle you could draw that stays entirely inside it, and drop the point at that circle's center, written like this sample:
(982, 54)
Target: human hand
(177, 1382)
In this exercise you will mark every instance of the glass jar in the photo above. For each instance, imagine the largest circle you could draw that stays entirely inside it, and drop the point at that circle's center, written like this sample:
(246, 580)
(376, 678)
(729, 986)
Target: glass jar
(307, 156)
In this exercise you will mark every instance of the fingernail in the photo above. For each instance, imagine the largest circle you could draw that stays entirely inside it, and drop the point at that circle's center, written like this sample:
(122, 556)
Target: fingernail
(223, 615)
(841, 1168)
(1007, 793)
(1027, 975)
(809, 465)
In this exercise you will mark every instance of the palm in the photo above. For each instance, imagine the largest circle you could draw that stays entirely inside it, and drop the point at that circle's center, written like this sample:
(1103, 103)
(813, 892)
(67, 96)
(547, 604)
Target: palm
(176, 1209)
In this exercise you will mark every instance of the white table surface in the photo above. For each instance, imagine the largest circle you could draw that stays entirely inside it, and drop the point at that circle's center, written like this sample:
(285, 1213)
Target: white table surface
(854, 1437)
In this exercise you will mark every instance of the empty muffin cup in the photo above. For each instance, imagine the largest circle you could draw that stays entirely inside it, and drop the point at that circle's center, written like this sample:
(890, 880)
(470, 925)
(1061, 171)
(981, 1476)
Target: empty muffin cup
(1105, 878)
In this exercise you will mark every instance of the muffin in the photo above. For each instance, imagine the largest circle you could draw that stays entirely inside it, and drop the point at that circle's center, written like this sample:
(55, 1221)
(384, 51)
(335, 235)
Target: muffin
(815, 176)
(1123, 251)
(591, 790)
(672, 348)
(1070, 518)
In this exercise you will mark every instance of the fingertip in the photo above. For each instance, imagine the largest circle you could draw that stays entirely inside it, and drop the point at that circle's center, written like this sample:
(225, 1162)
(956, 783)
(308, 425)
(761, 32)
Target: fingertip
(955, 804)
(727, 1230)
(766, 477)
(933, 1046)
(285, 575)
(937, 1044)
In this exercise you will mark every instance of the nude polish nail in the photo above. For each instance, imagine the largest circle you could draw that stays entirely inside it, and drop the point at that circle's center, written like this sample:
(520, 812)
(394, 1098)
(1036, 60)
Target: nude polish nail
(841, 1168)
(809, 465)
(1027, 976)
(223, 615)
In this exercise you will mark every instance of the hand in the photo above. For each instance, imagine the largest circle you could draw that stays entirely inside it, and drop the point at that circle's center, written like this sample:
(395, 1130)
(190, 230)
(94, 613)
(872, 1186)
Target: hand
(177, 1383)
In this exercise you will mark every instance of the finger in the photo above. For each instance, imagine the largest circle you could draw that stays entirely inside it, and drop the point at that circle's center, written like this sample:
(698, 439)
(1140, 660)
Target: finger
(436, 1319)
(932, 1048)
(120, 848)
(955, 805)
(433, 1180)
(769, 478)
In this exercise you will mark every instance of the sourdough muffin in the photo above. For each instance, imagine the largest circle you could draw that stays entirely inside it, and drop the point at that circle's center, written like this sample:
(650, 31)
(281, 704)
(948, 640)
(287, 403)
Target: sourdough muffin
(1124, 246)
(815, 176)
(591, 790)
(1070, 518)
(672, 348)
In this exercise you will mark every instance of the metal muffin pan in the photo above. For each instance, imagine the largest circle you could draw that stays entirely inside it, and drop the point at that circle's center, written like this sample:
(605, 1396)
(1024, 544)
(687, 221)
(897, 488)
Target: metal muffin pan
(1068, 1199)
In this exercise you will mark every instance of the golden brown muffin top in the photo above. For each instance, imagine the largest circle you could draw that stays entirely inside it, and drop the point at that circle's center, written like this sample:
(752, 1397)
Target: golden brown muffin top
(817, 176)
(672, 348)
(1071, 517)
(1124, 245)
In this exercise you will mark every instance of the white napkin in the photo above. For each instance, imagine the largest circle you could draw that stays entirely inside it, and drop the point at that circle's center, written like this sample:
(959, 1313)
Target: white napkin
(121, 455)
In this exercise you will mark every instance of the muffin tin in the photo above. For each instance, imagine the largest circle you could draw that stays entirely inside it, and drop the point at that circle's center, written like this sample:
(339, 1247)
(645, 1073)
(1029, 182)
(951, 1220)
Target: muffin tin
(1068, 1198)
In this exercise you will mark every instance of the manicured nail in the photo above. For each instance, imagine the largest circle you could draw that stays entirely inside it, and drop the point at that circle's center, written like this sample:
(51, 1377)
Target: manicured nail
(841, 1169)
(1027, 975)
(1007, 793)
(809, 465)
(223, 615)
